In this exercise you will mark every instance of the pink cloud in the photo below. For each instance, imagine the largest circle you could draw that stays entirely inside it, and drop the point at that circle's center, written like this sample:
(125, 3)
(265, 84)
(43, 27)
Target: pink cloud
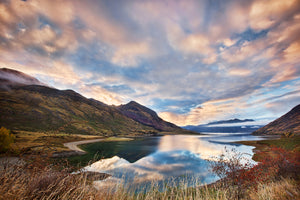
(209, 111)
(265, 13)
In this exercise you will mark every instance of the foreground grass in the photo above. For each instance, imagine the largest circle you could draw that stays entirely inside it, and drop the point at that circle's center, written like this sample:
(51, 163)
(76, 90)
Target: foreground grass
(277, 178)
(30, 179)
(27, 182)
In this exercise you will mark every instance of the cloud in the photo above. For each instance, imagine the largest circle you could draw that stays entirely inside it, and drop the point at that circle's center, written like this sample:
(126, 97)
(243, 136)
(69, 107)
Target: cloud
(62, 76)
(266, 13)
(100, 94)
(181, 53)
(16, 78)
(126, 49)
(208, 111)
(128, 54)
(277, 106)
(239, 72)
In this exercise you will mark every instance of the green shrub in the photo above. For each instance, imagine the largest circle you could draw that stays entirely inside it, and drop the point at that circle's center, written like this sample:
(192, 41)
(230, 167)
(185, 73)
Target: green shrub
(6, 139)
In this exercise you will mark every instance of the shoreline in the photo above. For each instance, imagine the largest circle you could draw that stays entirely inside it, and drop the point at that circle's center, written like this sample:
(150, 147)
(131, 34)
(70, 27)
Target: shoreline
(74, 149)
(73, 146)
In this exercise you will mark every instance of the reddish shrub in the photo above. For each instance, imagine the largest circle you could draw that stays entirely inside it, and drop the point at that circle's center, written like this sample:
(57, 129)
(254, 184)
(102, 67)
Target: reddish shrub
(244, 176)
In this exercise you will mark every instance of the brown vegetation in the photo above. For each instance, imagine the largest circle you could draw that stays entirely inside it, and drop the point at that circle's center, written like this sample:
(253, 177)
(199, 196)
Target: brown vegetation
(6, 139)
(275, 178)
(244, 178)
(288, 123)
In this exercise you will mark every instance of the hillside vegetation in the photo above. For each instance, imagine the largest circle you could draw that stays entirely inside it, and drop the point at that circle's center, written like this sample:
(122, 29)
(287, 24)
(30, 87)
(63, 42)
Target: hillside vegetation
(150, 118)
(29, 105)
(40, 108)
(288, 123)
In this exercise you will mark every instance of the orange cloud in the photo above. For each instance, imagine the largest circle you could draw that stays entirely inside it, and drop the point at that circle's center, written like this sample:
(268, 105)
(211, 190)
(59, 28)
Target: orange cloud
(239, 72)
(101, 94)
(128, 54)
(265, 13)
(287, 66)
(209, 111)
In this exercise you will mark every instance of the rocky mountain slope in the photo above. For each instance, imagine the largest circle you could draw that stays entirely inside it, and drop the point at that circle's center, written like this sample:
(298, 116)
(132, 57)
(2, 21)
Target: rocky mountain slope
(288, 123)
(27, 104)
(146, 116)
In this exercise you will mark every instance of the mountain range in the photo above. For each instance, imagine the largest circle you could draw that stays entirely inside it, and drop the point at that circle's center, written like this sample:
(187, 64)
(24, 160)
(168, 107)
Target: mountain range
(225, 126)
(223, 129)
(30, 105)
(27, 104)
(231, 121)
(288, 123)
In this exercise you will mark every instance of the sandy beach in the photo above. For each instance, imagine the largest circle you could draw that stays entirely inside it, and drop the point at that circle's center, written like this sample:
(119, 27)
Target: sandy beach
(74, 145)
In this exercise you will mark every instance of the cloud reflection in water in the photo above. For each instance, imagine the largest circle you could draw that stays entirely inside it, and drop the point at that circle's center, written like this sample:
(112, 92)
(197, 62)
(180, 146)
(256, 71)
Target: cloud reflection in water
(176, 156)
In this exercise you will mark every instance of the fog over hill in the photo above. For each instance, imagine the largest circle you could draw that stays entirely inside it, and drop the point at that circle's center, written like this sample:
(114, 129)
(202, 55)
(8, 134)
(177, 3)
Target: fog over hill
(10, 78)
(227, 126)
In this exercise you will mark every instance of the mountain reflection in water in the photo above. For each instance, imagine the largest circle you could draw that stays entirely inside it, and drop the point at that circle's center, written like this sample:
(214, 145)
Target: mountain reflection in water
(174, 157)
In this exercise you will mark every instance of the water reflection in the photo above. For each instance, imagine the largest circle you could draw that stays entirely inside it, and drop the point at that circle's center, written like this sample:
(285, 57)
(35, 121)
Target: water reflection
(175, 156)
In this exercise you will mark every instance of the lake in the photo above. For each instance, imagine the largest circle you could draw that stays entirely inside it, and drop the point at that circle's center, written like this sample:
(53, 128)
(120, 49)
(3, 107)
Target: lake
(169, 158)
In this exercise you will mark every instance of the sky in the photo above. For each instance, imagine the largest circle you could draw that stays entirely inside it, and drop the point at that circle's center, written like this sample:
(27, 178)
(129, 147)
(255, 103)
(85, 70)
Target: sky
(192, 61)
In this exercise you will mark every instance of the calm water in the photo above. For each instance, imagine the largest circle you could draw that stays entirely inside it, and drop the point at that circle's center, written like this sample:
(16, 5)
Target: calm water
(160, 159)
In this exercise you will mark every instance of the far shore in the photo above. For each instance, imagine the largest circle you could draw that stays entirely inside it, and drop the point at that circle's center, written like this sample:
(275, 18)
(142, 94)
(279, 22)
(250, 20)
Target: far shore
(75, 150)
(73, 146)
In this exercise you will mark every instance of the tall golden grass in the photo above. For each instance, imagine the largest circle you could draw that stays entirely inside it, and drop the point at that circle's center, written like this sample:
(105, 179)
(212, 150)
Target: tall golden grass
(25, 181)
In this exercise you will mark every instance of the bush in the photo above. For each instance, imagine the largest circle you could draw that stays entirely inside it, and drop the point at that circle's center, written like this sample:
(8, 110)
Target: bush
(232, 168)
(243, 177)
(6, 139)
(279, 163)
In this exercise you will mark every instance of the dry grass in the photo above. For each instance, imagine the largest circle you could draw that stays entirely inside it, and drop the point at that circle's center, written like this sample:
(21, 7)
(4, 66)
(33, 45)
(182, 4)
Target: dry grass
(35, 179)
(32, 180)
(28, 182)
(44, 142)
(285, 189)
(25, 181)
(117, 139)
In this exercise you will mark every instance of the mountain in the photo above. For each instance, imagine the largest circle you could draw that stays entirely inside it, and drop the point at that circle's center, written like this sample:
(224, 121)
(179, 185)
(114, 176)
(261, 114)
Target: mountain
(27, 104)
(288, 123)
(223, 129)
(146, 116)
(225, 126)
(231, 121)
(40, 108)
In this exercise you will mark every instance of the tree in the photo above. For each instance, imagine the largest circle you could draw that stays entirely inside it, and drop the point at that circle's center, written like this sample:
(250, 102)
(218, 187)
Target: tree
(6, 139)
